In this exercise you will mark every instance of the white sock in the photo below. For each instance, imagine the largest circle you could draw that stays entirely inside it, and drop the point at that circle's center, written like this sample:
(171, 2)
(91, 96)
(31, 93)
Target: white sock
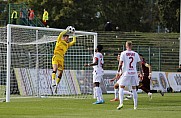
(121, 95)
(100, 93)
(135, 97)
(127, 92)
(94, 93)
(97, 93)
(116, 93)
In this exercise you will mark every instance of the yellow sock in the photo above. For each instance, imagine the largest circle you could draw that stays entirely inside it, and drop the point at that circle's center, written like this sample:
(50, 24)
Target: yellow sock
(53, 76)
(58, 80)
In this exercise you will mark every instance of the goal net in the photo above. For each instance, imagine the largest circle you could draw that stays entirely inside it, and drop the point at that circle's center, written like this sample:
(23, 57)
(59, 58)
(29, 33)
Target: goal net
(26, 55)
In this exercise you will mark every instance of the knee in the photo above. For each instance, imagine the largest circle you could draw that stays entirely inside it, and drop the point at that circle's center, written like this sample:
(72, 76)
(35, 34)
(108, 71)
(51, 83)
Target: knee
(116, 86)
(96, 84)
(122, 86)
(54, 71)
(60, 75)
(55, 68)
(134, 87)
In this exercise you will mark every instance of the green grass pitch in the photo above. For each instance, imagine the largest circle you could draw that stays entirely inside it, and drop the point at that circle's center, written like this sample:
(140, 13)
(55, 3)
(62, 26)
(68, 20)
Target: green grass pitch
(168, 106)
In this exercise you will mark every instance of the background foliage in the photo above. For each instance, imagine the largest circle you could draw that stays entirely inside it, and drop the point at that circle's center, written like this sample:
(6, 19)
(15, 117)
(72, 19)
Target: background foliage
(128, 15)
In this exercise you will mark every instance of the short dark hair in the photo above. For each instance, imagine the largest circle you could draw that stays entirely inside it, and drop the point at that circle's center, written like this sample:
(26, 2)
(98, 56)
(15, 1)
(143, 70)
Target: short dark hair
(140, 54)
(99, 48)
(180, 65)
(65, 35)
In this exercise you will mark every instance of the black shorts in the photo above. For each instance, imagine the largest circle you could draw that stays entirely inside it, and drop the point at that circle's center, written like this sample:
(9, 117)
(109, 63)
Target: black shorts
(145, 83)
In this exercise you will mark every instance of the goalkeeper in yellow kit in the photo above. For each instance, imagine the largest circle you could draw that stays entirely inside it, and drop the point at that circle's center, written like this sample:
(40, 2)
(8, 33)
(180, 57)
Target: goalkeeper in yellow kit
(61, 48)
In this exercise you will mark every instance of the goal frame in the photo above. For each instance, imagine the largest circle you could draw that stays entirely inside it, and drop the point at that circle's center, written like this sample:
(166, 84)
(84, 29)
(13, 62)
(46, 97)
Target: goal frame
(9, 26)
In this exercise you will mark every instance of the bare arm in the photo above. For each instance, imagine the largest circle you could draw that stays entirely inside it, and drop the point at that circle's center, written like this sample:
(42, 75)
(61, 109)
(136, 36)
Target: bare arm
(93, 64)
(119, 73)
(149, 66)
(120, 66)
(150, 70)
(115, 78)
(141, 70)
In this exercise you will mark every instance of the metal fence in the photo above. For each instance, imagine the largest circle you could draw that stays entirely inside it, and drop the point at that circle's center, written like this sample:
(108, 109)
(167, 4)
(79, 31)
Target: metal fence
(160, 58)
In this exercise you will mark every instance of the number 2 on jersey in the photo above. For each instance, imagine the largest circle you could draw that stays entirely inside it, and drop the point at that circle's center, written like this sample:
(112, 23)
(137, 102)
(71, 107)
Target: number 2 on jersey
(131, 58)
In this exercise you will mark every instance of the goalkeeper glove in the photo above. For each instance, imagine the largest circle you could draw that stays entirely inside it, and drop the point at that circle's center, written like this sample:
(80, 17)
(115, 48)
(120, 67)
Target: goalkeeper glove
(73, 33)
(68, 28)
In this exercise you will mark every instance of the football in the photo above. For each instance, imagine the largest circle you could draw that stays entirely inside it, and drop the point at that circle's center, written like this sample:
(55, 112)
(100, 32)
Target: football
(71, 29)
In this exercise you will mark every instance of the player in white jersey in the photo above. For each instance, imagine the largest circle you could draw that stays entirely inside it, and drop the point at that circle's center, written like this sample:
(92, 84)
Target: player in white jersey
(97, 73)
(128, 72)
(116, 87)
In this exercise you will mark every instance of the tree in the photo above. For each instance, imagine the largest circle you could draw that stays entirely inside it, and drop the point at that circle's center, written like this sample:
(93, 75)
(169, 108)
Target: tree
(169, 14)
(62, 13)
(3, 12)
(124, 14)
(128, 15)
(92, 14)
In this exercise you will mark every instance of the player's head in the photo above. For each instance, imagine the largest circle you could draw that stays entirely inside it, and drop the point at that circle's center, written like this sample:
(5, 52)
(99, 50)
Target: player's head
(141, 56)
(128, 44)
(99, 48)
(118, 57)
(66, 37)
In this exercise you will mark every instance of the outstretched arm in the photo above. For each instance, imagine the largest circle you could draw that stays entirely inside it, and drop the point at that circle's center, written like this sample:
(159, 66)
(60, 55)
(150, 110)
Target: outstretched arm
(61, 35)
(115, 78)
(119, 73)
(93, 64)
(72, 42)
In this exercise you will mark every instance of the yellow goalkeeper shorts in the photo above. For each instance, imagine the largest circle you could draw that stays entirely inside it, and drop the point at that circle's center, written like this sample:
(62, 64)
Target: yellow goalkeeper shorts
(58, 60)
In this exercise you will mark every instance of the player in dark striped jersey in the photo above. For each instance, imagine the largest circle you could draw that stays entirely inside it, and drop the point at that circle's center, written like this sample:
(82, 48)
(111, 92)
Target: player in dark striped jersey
(145, 80)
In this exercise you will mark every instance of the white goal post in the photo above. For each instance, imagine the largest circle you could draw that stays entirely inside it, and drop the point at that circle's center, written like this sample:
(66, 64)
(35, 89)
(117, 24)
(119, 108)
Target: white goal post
(28, 62)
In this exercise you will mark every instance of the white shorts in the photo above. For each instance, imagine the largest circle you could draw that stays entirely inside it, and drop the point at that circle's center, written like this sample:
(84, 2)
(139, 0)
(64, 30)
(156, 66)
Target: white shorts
(97, 78)
(128, 81)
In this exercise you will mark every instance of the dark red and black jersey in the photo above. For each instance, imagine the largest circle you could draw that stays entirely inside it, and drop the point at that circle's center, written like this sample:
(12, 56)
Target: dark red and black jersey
(145, 69)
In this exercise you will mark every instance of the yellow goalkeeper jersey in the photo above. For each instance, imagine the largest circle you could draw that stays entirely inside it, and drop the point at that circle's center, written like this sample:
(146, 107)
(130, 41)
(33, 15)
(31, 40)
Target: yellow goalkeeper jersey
(62, 46)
